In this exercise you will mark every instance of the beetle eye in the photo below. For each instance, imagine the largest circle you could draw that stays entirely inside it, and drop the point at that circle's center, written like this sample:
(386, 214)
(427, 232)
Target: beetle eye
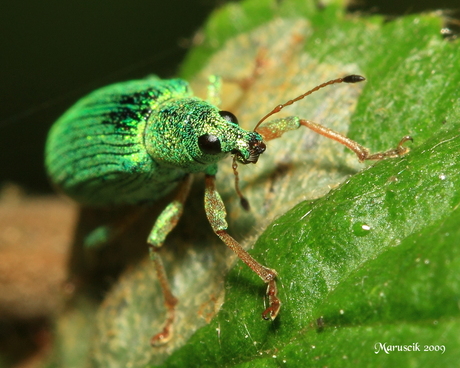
(209, 144)
(227, 115)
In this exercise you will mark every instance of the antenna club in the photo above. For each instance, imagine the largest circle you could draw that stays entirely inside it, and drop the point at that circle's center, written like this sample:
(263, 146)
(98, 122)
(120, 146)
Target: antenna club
(353, 78)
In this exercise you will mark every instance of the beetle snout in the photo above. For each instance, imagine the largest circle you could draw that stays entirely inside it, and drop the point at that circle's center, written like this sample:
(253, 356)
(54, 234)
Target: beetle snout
(255, 149)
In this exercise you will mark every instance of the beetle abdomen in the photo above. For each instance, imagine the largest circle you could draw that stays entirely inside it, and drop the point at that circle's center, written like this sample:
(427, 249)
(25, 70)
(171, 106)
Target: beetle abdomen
(95, 152)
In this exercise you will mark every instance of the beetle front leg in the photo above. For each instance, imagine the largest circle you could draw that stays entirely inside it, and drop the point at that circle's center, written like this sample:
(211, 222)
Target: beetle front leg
(164, 224)
(362, 152)
(276, 128)
(216, 213)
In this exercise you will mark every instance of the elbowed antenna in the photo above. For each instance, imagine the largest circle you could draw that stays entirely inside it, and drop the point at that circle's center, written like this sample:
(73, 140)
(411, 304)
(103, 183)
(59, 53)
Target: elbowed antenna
(348, 79)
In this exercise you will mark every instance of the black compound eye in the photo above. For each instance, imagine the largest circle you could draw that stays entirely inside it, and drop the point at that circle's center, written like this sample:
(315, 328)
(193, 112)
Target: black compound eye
(227, 115)
(209, 144)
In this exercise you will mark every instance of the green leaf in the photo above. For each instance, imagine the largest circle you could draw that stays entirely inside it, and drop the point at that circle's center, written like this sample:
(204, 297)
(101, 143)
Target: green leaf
(375, 259)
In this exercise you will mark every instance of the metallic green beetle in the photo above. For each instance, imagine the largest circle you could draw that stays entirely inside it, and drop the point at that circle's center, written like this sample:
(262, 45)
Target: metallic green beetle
(134, 142)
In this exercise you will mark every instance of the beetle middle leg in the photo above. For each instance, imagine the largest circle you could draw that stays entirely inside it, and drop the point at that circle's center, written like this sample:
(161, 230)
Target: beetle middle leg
(164, 224)
(216, 213)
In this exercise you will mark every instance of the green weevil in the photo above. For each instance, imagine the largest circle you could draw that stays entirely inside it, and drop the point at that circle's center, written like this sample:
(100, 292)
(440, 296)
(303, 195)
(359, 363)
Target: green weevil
(134, 142)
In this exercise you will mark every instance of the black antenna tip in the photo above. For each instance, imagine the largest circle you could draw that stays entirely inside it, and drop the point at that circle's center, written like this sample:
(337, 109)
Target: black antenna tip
(353, 78)
(245, 203)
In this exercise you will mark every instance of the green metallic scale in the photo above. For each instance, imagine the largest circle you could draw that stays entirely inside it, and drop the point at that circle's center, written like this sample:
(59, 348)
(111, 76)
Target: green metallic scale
(134, 142)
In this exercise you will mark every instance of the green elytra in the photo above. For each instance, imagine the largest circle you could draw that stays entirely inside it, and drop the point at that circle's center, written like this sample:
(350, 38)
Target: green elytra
(134, 142)
(131, 142)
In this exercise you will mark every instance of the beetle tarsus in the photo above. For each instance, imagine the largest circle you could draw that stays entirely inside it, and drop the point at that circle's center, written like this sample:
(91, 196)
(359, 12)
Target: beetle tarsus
(275, 304)
(164, 336)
